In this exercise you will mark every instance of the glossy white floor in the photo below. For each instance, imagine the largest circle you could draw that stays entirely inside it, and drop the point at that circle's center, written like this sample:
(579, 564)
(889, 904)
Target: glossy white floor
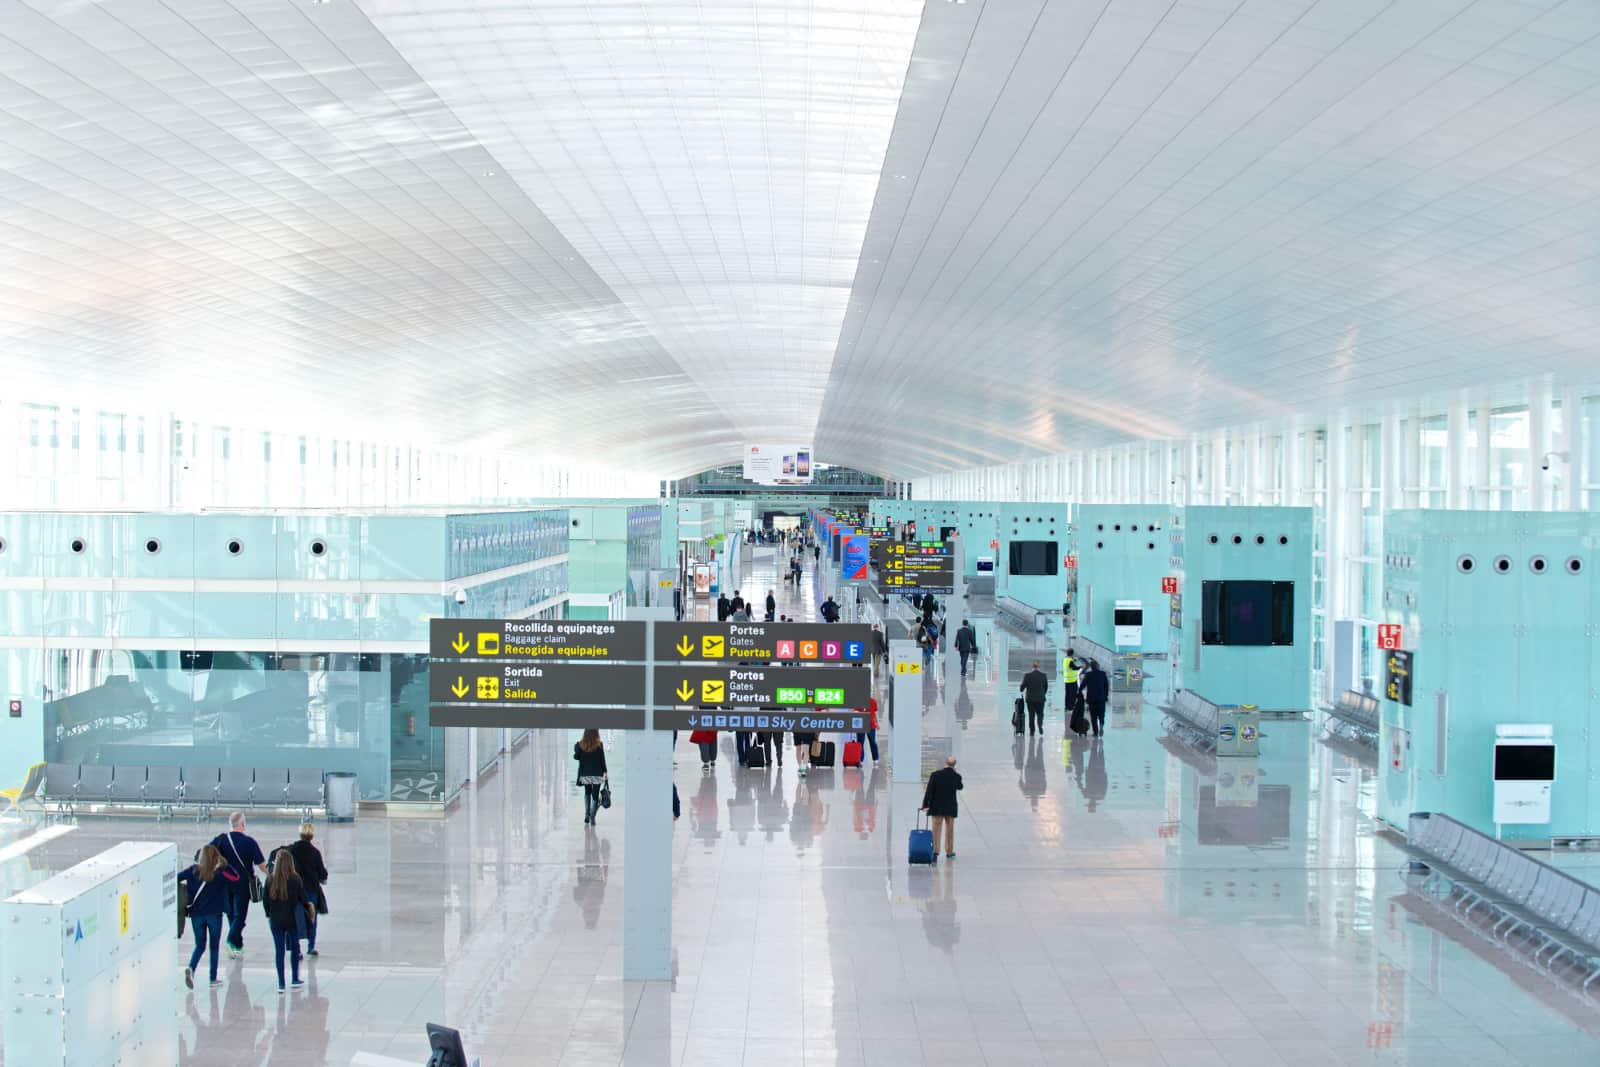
(1119, 903)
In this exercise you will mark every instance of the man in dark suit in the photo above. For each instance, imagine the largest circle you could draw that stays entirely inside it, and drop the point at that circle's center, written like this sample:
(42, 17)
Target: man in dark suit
(1096, 692)
(1034, 686)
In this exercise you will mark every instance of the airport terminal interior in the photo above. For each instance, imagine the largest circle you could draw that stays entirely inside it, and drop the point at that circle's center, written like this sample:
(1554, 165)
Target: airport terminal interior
(826, 532)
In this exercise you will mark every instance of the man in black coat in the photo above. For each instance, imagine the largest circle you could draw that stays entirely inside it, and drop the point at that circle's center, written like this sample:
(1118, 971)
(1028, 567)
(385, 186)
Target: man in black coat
(939, 801)
(1096, 692)
(966, 644)
(724, 607)
(1034, 686)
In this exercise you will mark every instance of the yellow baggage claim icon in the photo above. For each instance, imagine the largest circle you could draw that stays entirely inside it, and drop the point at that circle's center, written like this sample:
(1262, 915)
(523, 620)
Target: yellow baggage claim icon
(488, 644)
(713, 646)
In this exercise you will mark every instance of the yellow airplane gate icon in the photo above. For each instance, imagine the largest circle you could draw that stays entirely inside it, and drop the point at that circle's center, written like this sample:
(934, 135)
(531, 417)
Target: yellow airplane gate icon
(488, 687)
(488, 644)
(713, 646)
(713, 691)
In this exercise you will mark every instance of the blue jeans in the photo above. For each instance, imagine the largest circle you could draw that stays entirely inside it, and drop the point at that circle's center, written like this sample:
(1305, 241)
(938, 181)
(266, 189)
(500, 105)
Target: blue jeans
(207, 932)
(871, 738)
(311, 933)
(238, 912)
(286, 940)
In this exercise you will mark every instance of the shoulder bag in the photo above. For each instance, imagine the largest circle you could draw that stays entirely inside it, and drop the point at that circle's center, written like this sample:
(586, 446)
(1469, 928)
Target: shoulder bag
(605, 794)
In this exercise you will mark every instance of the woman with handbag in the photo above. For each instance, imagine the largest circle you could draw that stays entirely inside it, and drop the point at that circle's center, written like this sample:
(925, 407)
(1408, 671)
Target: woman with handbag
(289, 912)
(313, 872)
(209, 882)
(590, 753)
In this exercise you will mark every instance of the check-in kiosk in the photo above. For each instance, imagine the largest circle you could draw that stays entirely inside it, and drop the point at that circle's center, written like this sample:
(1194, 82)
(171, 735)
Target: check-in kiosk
(1524, 772)
(1128, 623)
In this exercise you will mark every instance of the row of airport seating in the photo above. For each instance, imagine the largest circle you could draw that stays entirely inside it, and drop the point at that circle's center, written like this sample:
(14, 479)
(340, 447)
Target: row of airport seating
(1509, 896)
(205, 788)
(1354, 716)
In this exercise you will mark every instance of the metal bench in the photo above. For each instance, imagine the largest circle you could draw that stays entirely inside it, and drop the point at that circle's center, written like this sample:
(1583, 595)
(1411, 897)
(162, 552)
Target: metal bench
(1507, 896)
(127, 785)
(200, 787)
(1354, 717)
(306, 790)
(163, 787)
(236, 787)
(60, 786)
(94, 785)
(271, 788)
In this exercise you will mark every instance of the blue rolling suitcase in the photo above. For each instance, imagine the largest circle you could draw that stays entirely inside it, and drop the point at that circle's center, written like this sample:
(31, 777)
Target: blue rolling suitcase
(921, 850)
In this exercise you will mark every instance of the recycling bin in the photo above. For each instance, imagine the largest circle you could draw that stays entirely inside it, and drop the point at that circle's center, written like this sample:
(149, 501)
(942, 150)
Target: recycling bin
(340, 787)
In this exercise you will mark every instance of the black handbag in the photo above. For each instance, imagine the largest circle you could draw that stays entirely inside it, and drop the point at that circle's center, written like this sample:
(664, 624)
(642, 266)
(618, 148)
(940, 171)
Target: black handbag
(183, 905)
(605, 795)
(255, 881)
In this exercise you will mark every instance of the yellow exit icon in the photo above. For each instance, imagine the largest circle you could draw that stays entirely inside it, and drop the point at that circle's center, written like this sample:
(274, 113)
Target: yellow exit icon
(713, 646)
(713, 691)
(488, 687)
(488, 644)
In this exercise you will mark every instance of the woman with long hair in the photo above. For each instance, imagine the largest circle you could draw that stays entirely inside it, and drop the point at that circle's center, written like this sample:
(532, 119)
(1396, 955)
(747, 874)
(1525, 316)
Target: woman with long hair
(590, 753)
(209, 881)
(286, 905)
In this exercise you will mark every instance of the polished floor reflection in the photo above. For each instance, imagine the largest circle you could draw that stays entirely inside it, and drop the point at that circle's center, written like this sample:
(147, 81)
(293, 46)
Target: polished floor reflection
(1125, 901)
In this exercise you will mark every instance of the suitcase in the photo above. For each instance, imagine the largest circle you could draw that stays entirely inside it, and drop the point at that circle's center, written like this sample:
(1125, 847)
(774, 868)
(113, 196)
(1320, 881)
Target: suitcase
(1018, 722)
(1080, 725)
(920, 849)
(825, 758)
(756, 757)
(852, 753)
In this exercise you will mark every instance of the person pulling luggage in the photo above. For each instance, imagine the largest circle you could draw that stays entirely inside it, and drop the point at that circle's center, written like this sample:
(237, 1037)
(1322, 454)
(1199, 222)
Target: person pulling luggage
(1034, 687)
(1096, 693)
(939, 801)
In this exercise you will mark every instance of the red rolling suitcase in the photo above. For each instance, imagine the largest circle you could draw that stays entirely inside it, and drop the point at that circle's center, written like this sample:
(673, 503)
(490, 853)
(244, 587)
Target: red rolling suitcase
(852, 753)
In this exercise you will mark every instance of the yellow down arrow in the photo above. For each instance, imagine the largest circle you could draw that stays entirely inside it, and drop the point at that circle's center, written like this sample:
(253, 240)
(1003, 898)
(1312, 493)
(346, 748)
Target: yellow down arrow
(460, 688)
(685, 690)
(684, 645)
(460, 643)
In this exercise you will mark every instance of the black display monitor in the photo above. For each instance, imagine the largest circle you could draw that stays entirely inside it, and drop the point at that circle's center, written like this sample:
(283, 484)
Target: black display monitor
(1247, 613)
(1033, 557)
(1525, 763)
(445, 1044)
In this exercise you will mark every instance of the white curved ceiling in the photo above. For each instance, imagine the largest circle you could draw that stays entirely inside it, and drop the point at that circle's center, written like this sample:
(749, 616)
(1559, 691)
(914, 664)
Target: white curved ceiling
(642, 233)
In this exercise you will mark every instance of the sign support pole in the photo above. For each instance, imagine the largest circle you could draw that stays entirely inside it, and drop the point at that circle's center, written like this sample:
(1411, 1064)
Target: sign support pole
(647, 836)
(905, 738)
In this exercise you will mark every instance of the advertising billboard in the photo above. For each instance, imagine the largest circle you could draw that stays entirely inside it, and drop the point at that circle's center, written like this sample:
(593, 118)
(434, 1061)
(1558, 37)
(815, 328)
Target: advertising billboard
(778, 464)
(857, 554)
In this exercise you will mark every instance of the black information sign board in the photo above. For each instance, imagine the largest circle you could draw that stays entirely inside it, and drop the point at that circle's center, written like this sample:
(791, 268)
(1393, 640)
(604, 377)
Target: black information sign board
(1397, 677)
(917, 566)
(806, 720)
(535, 639)
(832, 644)
(741, 686)
(523, 684)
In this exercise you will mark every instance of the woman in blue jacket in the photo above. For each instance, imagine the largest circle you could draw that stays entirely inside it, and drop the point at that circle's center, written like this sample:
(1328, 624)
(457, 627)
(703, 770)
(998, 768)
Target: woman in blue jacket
(210, 883)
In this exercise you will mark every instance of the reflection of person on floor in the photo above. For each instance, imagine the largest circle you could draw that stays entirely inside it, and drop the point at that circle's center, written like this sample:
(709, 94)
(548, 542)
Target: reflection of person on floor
(1016, 750)
(1032, 780)
(589, 891)
(742, 807)
(963, 706)
(771, 810)
(704, 810)
(864, 804)
(1075, 754)
(1094, 779)
(939, 923)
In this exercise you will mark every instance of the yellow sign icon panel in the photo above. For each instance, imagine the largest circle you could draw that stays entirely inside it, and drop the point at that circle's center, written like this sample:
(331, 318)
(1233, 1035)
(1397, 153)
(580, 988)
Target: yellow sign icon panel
(713, 646)
(713, 691)
(122, 914)
(488, 644)
(908, 668)
(488, 687)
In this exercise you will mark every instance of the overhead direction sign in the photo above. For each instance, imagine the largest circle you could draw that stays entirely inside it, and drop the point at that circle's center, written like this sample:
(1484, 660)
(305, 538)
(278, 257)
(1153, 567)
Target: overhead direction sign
(761, 643)
(922, 566)
(517, 684)
(741, 686)
(804, 720)
(535, 639)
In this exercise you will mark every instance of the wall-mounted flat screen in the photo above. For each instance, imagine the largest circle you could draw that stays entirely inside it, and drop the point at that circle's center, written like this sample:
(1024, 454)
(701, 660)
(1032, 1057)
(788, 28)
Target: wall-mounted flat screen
(946, 531)
(1524, 763)
(1033, 557)
(1247, 613)
(1127, 617)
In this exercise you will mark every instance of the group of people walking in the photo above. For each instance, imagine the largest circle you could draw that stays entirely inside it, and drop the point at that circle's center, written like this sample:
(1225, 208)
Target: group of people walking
(737, 609)
(226, 879)
(1087, 691)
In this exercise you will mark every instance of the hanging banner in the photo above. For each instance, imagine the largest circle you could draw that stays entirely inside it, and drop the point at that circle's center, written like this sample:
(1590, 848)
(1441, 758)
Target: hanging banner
(857, 556)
